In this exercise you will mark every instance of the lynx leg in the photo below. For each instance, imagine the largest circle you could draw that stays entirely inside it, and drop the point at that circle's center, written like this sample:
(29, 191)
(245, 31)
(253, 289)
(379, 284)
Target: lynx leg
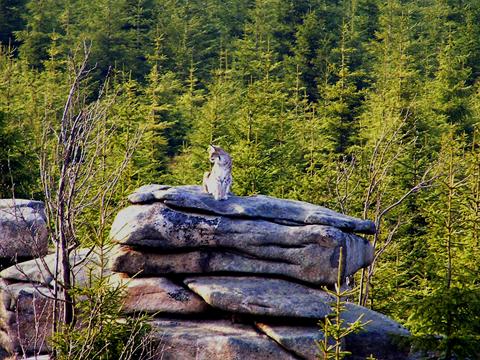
(206, 175)
(229, 186)
(221, 193)
(217, 192)
(226, 188)
(223, 190)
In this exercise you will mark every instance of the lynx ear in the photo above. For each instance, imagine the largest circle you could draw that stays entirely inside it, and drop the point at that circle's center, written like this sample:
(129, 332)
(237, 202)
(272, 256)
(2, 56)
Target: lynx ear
(212, 148)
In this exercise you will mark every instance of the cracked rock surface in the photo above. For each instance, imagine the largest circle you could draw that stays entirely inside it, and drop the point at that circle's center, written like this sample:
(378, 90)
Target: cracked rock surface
(260, 296)
(258, 207)
(238, 279)
(214, 340)
(185, 242)
(23, 230)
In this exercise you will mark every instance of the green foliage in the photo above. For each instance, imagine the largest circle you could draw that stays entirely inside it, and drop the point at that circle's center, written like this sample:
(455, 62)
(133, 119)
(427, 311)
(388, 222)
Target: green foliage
(100, 332)
(17, 128)
(448, 304)
(446, 319)
(11, 18)
(333, 327)
(349, 104)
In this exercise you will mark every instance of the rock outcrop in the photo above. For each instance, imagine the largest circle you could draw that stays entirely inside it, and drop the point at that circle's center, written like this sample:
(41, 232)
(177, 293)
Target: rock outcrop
(258, 259)
(25, 317)
(23, 236)
(184, 231)
(259, 207)
(23, 232)
(234, 279)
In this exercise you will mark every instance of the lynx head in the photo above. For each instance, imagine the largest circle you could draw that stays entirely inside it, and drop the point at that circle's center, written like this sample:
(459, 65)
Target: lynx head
(218, 156)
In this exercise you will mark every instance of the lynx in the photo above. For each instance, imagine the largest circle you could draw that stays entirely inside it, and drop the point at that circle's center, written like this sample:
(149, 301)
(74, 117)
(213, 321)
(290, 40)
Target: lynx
(219, 180)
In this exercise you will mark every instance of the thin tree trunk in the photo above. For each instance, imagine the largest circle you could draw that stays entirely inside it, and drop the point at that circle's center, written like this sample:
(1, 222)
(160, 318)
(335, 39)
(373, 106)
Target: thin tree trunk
(66, 279)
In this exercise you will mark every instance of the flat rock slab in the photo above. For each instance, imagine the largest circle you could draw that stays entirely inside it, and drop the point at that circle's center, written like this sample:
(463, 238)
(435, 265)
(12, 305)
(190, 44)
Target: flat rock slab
(378, 323)
(149, 295)
(380, 336)
(21, 203)
(86, 266)
(308, 252)
(300, 340)
(258, 207)
(158, 296)
(23, 230)
(20, 297)
(146, 263)
(261, 297)
(213, 340)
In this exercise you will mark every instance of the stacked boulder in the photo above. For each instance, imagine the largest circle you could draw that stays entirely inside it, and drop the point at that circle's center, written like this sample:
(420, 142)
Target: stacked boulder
(241, 278)
(23, 236)
(26, 299)
(23, 231)
(235, 279)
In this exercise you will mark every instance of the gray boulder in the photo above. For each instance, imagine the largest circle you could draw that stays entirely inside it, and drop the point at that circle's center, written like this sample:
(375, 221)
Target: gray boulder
(22, 203)
(25, 317)
(85, 268)
(23, 231)
(380, 336)
(282, 299)
(213, 340)
(39, 270)
(258, 207)
(149, 295)
(131, 261)
(157, 296)
(261, 297)
(308, 252)
(300, 340)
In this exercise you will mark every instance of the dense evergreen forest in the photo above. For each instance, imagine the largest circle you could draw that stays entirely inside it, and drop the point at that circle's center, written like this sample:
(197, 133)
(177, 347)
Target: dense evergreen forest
(368, 107)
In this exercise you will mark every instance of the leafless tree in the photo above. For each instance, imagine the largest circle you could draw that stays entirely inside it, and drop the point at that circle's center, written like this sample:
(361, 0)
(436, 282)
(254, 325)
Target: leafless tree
(389, 147)
(72, 167)
(374, 175)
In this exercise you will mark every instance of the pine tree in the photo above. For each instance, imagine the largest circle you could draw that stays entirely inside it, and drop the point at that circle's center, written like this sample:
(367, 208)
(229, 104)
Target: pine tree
(20, 111)
(382, 170)
(42, 21)
(256, 54)
(448, 305)
(335, 329)
(448, 94)
(213, 125)
(311, 49)
(263, 139)
(12, 20)
(341, 100)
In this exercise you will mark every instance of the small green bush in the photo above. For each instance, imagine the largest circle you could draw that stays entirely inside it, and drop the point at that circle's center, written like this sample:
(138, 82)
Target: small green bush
(100, 332)
(333, 327)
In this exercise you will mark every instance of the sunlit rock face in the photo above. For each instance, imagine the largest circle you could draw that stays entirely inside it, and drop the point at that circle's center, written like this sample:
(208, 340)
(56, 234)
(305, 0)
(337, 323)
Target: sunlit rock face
(183, 230)
(257, 207)
(237, 279)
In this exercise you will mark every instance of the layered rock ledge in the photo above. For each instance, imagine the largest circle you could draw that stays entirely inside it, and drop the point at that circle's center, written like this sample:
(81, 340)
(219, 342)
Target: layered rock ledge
(258, 260)
(234, 279)
(182, 230)
(258, 207)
